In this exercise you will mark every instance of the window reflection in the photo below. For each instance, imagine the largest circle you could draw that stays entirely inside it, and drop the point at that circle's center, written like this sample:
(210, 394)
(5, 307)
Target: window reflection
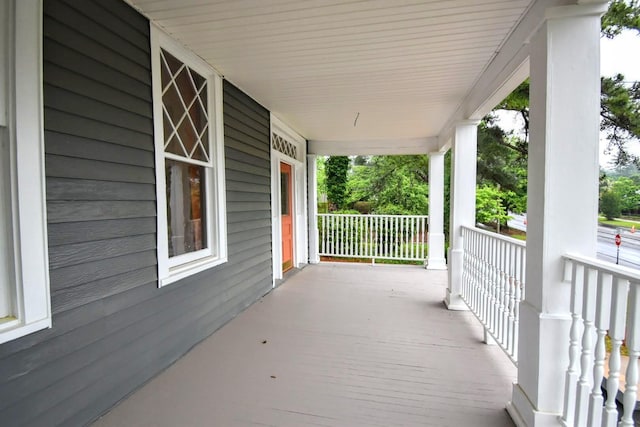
(185, 207)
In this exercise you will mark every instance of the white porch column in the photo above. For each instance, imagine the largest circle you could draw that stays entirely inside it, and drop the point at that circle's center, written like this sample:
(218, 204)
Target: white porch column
(312, 184)
(562, 200)
(463, 204)
(435, 237)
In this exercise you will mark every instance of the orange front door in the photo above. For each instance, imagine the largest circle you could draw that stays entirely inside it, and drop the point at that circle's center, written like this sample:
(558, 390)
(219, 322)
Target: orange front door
(286, 218)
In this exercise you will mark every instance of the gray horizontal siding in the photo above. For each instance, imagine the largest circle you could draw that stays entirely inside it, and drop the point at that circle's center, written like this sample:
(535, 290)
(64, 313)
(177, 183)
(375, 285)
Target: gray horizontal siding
(113, 328)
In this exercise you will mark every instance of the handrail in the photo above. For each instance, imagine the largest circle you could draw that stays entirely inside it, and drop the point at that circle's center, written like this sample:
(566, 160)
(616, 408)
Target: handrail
(374, 215)
(496, 236)
(621, 271)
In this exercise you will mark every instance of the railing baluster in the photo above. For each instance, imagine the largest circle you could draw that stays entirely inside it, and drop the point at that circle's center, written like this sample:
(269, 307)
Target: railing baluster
(387, 227)
(422, 233)
(403, 238)
(321, 234)
(411, 248)
(616, 333)
(352, 234)
(571, 377)
(586, 359)
(633, 345)
(416, 237)
(377, 237)
(492, 286)
(506, 259)
(519, 285)
(500, 304)
(367, 228)
(603, 298)
(395, 237)
(486, 280)
(325, 235)
(510, 299)
(343, 239)
(340, 240)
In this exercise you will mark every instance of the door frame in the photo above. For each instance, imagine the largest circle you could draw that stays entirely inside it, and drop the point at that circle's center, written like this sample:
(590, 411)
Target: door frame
(299, 197)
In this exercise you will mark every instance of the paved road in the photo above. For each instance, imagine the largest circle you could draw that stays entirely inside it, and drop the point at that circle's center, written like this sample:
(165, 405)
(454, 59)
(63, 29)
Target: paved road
(629, 249)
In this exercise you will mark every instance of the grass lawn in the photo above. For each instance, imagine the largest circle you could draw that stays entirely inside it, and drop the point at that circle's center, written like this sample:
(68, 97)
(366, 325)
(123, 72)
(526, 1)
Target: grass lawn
(618, 223)
(368, 260)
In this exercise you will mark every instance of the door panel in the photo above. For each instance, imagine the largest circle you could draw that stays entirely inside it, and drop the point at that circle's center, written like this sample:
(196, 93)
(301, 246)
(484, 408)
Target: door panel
(286, 219)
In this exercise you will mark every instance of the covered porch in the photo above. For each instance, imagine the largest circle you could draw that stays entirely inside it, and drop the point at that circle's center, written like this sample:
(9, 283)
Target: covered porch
(376, 78)
(335, 345)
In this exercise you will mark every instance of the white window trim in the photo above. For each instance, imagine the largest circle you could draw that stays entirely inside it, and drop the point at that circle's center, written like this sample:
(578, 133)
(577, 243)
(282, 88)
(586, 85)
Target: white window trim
(299, 202)
(22, 122)
(173, 269)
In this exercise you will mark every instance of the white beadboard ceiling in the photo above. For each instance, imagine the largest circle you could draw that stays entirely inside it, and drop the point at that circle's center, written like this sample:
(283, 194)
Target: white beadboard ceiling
(404, 65)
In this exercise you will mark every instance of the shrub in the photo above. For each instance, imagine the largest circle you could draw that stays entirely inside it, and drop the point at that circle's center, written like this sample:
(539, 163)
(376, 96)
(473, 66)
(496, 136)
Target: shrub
(610, 204)
(362, 207)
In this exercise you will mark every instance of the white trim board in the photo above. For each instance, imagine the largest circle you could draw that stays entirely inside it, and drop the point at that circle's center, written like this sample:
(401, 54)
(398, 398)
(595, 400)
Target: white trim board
(173, 269)
(299, 167)
(405, 146)
(28, 279)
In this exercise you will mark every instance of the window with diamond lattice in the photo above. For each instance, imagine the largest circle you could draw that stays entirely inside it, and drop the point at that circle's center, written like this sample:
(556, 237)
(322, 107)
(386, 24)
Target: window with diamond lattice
(185, 122)
(189, 163)
(184, 104)
(285, 147)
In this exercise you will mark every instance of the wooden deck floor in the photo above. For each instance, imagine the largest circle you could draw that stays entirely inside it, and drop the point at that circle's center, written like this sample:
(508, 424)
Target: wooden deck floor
(335, 345)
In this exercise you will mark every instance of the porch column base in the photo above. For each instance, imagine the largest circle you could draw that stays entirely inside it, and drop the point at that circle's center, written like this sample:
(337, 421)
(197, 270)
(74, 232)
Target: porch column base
(523, 413)
(436, 260)
(453, 300)
(488, 338)
(436, 264)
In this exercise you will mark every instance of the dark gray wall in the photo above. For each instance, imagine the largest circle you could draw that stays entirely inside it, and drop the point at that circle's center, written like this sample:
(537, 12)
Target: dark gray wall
(113, 327)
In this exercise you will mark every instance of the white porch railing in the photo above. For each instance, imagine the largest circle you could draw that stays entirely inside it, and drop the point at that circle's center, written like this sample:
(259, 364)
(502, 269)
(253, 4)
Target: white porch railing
(605, 300)
(400, 237)
(493, 284)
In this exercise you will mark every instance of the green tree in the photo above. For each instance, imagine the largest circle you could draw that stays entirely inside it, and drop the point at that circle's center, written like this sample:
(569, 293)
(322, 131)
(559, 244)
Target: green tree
(627, 191)
(489, 207)
(321, 175)
(620, 100)
(391, 184)
(610, 205)
(502, 158)
(621, 15)
(620, 112)
(336, 170)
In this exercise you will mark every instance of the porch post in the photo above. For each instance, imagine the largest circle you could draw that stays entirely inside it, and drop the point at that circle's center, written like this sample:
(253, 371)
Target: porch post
(463, 204)
(562, 200)
(312, 188)
(435, 237)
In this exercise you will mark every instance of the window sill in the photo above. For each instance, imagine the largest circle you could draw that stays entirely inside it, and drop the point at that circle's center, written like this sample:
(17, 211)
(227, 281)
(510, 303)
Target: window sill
(14, 329)
(185, 270)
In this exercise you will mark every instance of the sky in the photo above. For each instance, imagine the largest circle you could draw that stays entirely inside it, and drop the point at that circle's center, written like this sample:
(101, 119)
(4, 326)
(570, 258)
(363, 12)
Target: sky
(621, 55)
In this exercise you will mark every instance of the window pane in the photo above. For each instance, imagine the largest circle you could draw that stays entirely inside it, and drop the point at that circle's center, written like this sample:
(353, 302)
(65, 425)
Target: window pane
(284, 193)
(6, 246)
(184, 100)
(185, 207)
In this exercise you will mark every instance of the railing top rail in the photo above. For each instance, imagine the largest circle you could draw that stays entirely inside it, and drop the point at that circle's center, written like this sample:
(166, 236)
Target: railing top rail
(496, 236)
(620, 271)
(373, 215)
